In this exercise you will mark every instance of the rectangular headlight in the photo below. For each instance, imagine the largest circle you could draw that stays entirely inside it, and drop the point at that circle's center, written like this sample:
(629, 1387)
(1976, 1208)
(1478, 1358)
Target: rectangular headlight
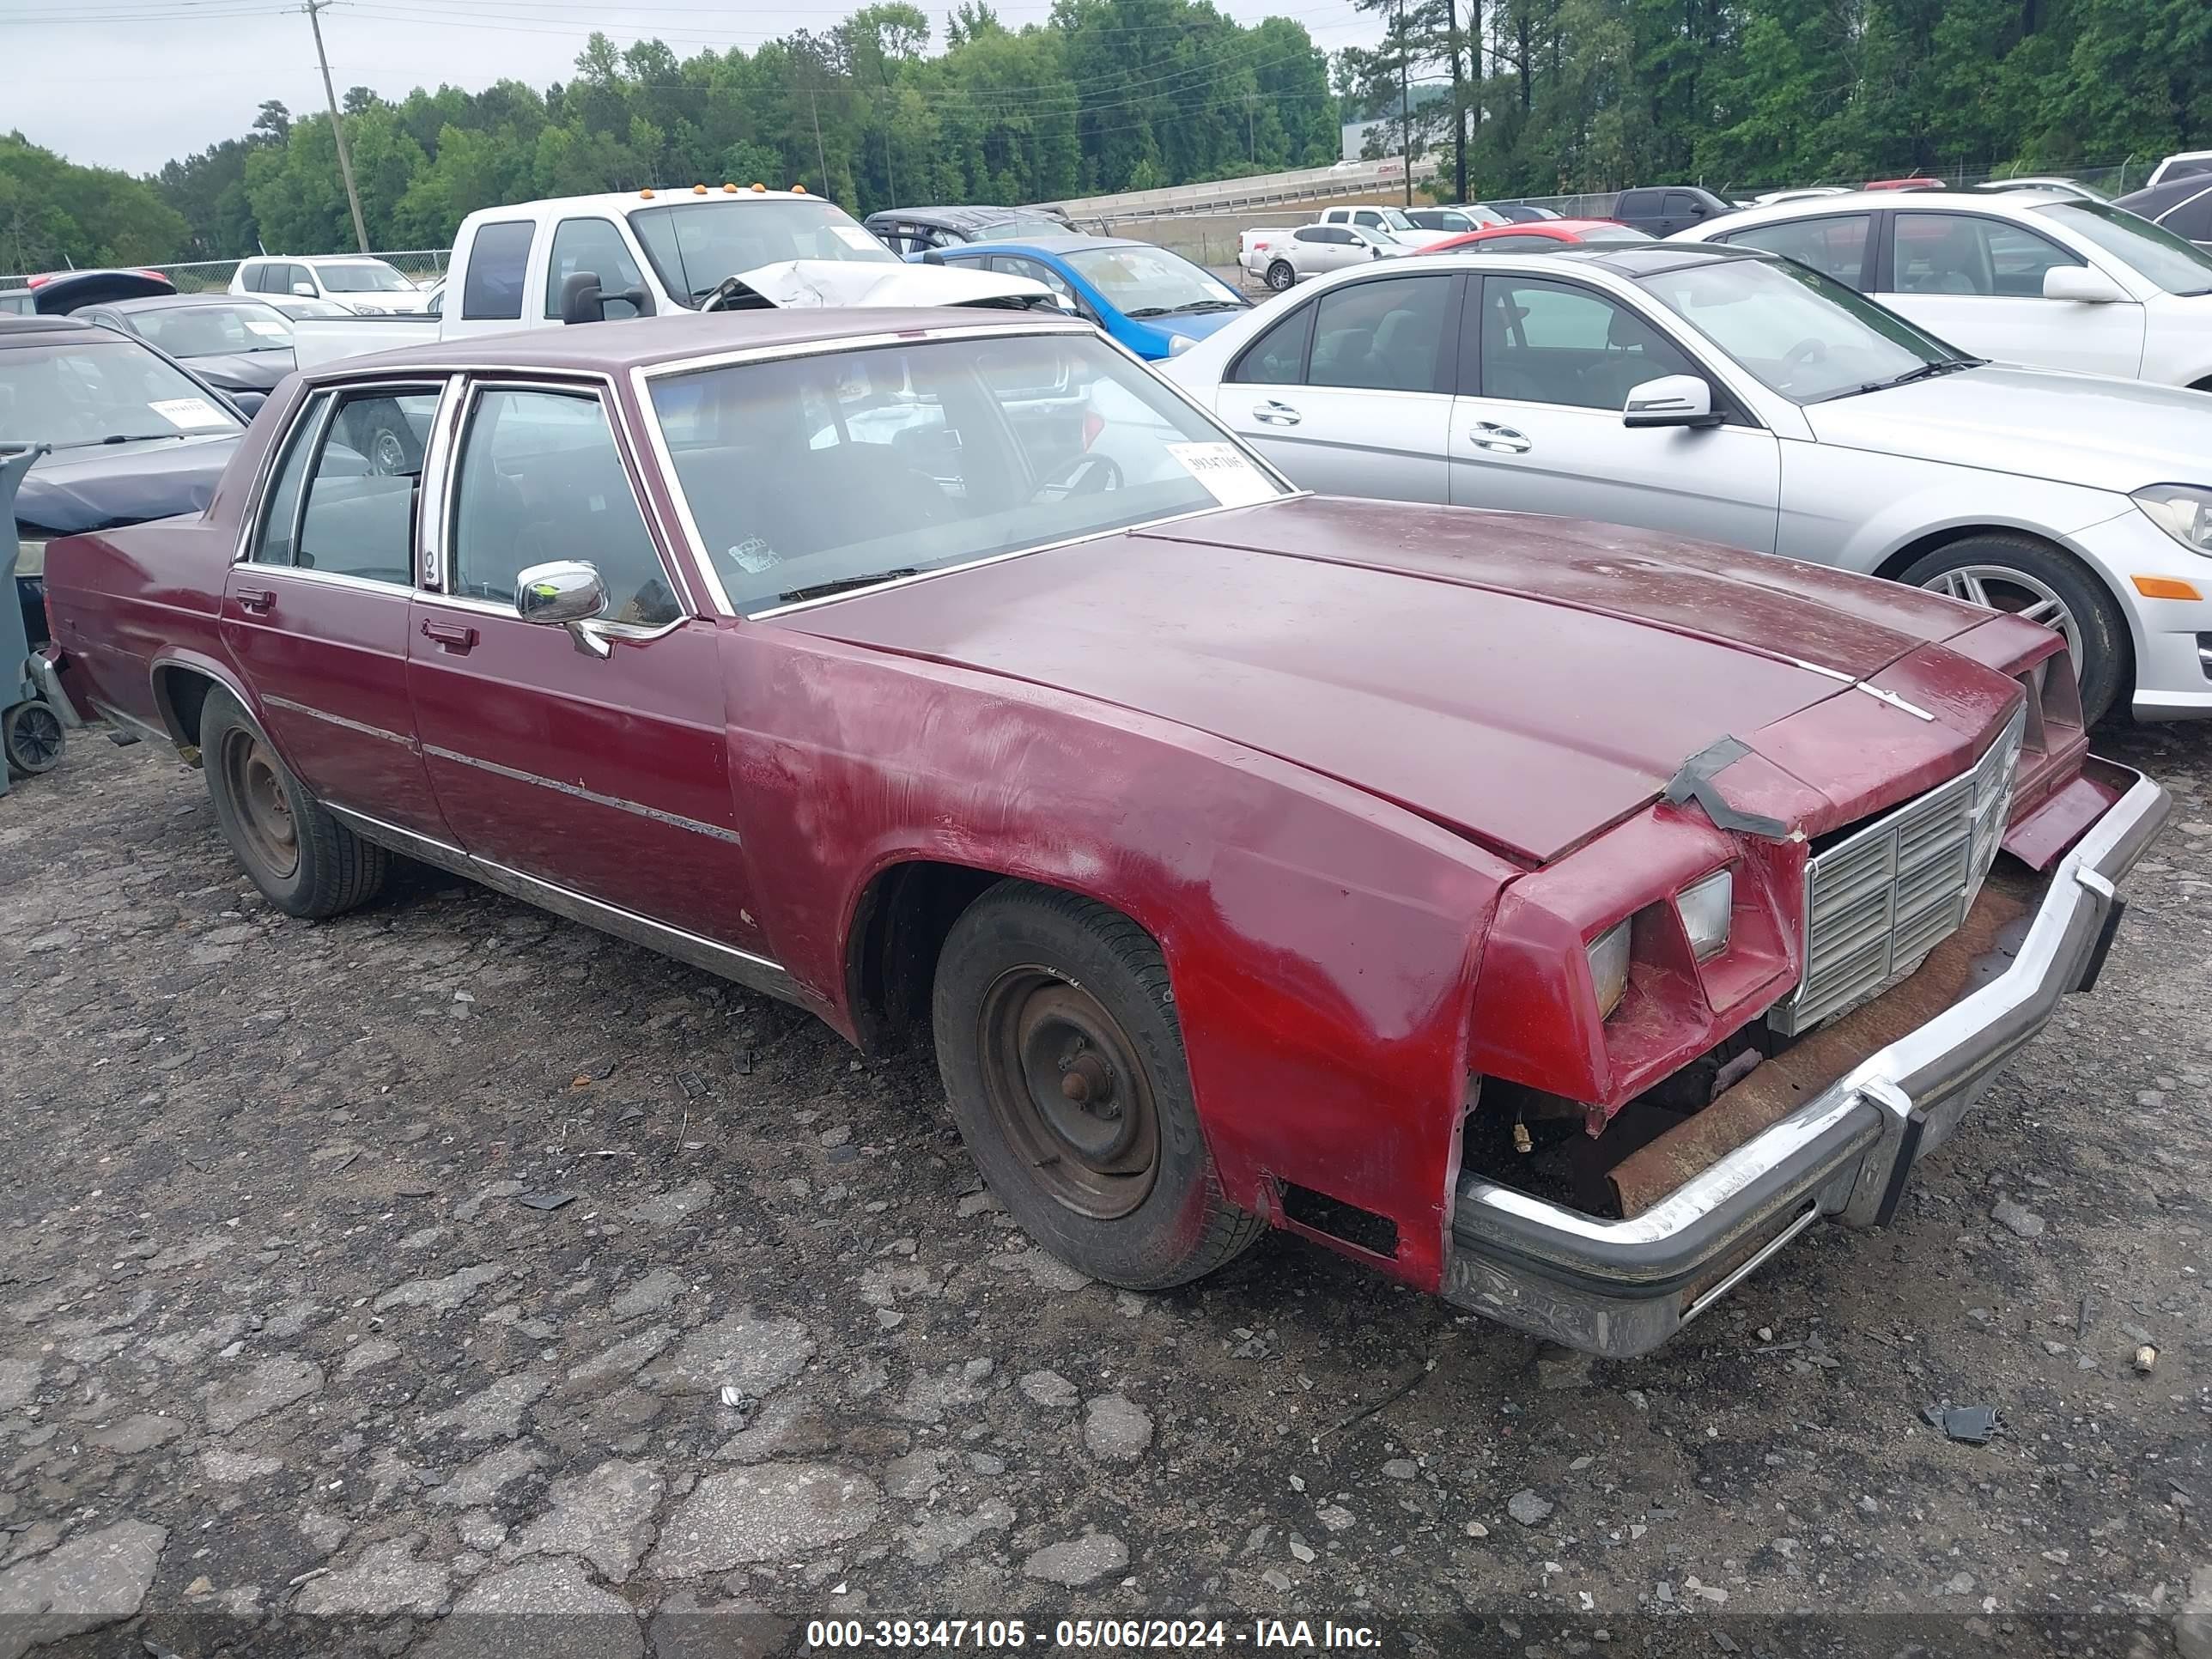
(1608, 966)
(1705, 908)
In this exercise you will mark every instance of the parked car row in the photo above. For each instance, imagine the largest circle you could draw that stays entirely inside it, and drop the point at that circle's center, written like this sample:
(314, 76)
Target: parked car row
(1383, 872)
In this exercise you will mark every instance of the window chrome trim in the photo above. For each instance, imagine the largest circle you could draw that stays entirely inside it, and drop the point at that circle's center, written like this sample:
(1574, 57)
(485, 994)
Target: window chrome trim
(601, 389)
(321, 406)
(643, 375)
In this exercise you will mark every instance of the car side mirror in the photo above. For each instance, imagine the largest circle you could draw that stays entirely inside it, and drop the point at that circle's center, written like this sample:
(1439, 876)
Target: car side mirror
(1670, 400)
(305, 290)
(582, 301)
(2082, 285)
(249, 402)
(566, 593)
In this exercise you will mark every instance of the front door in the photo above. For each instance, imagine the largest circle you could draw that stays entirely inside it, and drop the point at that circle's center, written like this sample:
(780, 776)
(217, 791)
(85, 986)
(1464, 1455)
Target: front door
(316, 618)
(1546, 369)
(1350, 393)
(606, 776)
(1977, 282)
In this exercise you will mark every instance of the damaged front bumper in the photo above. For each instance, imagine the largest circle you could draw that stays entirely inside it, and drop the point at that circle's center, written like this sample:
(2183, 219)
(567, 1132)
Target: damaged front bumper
(1620, 1288)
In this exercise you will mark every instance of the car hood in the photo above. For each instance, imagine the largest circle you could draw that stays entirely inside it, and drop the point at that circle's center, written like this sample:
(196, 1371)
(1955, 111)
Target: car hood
(1528, 681)
(242, 371)
(808, 282)
(2088, 429)
(1196, 326)
(74, 490)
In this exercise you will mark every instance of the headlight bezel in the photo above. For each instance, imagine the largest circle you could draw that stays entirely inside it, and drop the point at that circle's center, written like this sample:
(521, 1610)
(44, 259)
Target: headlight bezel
(1718, 921)
(2169, 506)
(1609, 956)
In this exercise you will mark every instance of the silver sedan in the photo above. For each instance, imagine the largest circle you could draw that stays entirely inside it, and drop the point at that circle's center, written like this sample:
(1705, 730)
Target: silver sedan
(1729, 395)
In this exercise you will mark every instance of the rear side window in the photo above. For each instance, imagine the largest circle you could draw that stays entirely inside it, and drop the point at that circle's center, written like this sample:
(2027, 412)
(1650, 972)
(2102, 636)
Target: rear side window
(497, 259)
(1835, 246)
(1385, 336)
(592, 245)
(344, 502)
(1635, 204)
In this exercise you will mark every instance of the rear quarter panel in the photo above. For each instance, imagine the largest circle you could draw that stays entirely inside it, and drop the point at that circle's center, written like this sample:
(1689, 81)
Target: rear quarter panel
(1323, 944)
(122, 600)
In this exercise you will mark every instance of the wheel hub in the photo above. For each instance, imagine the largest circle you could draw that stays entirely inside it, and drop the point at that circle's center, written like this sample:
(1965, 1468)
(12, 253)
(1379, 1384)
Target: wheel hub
(265, 809)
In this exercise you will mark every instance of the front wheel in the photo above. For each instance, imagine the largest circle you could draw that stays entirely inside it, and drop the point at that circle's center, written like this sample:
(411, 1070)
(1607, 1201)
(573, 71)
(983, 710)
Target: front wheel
(1281, 277)
(304, 861)
(2033, 580)
(1058, 1042)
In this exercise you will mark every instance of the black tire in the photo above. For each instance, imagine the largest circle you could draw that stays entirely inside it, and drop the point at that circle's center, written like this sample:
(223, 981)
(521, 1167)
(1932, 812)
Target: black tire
(32, 735)
(2106, 658)
(1281, 276)
(1173, 1224)
(331, 870)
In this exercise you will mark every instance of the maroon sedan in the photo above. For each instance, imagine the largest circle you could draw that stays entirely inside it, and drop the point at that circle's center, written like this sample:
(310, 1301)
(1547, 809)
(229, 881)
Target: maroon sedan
(1555, 917)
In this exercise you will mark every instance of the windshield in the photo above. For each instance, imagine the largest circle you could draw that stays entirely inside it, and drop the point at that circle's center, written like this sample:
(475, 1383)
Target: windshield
(363, 276)
(1018, 230)
(297, 307)
(2151, 251)
(100, 391)
(1795, 331)
(1396, 219)
(695, 244)
(213, 331)
(1149, 282)
(813, 475)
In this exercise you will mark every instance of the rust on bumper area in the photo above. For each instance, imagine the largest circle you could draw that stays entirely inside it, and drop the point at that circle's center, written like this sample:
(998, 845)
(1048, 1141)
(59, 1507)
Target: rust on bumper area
(1831, 1129)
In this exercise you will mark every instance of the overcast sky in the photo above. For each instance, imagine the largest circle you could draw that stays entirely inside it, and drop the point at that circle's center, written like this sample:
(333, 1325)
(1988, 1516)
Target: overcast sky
(132, 83)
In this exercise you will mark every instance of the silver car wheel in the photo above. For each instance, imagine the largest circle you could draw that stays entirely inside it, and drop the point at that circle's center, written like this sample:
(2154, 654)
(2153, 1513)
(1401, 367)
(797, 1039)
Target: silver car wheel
(2000, 588)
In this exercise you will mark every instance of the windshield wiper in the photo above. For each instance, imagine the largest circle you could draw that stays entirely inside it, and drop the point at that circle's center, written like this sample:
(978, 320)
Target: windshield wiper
(1145, 311)
(844, 585)
(119, 438)
(1925, 372)
(1208, 305)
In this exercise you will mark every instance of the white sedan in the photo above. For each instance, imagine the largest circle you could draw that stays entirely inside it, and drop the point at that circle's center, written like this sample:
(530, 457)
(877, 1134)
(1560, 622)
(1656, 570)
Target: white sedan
(1283, 257)
(2042, 277)
(1729, 395)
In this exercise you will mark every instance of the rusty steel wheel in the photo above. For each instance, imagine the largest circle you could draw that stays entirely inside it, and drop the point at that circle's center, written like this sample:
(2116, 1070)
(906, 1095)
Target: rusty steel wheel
(1066, 1089)
(255, 781)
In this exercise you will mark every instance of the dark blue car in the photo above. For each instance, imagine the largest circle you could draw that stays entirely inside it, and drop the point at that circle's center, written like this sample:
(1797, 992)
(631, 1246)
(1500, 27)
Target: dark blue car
(1155, 302)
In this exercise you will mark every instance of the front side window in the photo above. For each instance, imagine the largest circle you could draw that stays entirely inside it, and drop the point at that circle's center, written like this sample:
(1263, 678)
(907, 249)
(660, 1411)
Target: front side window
(1384, 336)
(498, 259)
(336, 507)
(694, 246)
(1277, 358)
(2172, 261)
(1560, 343)
(595, 246)
(1795, 331)
(104, 389)
(1961, 253)
(1836, 246)
(815, 475)
(1013, 265)
(541, 479)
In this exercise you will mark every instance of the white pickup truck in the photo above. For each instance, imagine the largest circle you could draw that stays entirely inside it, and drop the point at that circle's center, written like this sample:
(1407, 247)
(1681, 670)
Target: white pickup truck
(589, 259)
(1282, 256)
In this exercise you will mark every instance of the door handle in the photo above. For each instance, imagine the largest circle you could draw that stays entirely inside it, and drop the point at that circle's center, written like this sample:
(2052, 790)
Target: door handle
(456, 637)
(1271, 413)
(1488, 434)
(259, 600)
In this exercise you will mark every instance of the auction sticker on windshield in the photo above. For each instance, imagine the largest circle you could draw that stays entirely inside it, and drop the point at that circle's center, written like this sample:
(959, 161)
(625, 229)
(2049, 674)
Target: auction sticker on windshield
(854, 236)
(189, 413)
(1225, 474)
(274, 331)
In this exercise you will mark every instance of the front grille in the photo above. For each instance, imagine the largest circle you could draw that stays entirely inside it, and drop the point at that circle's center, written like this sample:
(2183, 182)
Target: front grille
(1886, 894)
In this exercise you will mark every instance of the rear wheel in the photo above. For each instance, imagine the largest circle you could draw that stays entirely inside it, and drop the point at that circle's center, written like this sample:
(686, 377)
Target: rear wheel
(1057, 1038)
(1281, 276)
(303, 858)
(32, 734)
(2034, 580)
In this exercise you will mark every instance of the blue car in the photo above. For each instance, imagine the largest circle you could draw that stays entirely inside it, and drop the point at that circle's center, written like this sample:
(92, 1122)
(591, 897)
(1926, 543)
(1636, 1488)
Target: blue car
(1155, 302)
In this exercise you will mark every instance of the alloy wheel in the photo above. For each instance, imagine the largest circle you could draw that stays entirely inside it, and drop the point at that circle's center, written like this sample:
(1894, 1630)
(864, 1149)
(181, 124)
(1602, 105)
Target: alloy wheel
(2001, 588)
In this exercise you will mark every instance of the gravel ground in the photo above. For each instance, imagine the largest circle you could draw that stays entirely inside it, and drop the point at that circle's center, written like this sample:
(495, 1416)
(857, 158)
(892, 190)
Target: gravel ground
(450, 1280)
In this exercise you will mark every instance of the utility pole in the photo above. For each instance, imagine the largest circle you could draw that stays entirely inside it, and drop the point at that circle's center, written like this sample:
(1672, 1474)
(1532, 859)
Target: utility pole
(1405, 104)
(815, 104)
(313, 8)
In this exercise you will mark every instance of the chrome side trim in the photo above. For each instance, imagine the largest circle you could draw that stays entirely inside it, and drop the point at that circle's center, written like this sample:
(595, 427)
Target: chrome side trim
(403, 739)
(726, 961)
(576, 791)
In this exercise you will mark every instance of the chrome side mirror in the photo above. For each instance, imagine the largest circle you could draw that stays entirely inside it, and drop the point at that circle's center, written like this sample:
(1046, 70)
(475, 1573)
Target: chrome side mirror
(566, 593)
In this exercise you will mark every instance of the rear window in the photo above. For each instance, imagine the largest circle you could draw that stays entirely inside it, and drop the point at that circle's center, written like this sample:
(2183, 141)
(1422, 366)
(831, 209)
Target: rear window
(497, 260)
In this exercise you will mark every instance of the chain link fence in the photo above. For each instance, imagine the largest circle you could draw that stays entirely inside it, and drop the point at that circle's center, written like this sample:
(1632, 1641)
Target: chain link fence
(420, 266)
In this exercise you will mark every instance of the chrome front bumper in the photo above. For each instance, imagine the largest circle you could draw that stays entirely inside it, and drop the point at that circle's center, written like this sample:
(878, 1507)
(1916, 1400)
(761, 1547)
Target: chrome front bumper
(1620, 1288)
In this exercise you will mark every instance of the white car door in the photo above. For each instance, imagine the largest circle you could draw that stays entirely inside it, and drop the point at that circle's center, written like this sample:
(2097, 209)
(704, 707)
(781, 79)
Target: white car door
(1977, 282)
(1348, 394)
(1546, 367)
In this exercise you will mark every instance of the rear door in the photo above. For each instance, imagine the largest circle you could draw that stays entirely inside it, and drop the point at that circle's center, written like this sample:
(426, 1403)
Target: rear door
(1546, 367)
(1977, 282)
(1351, 393)
(316, 615)
(606, 776)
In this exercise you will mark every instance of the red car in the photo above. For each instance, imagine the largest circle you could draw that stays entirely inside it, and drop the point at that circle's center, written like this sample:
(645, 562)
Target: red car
(1529, 909)
(1913, 183)
(1539, 236)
